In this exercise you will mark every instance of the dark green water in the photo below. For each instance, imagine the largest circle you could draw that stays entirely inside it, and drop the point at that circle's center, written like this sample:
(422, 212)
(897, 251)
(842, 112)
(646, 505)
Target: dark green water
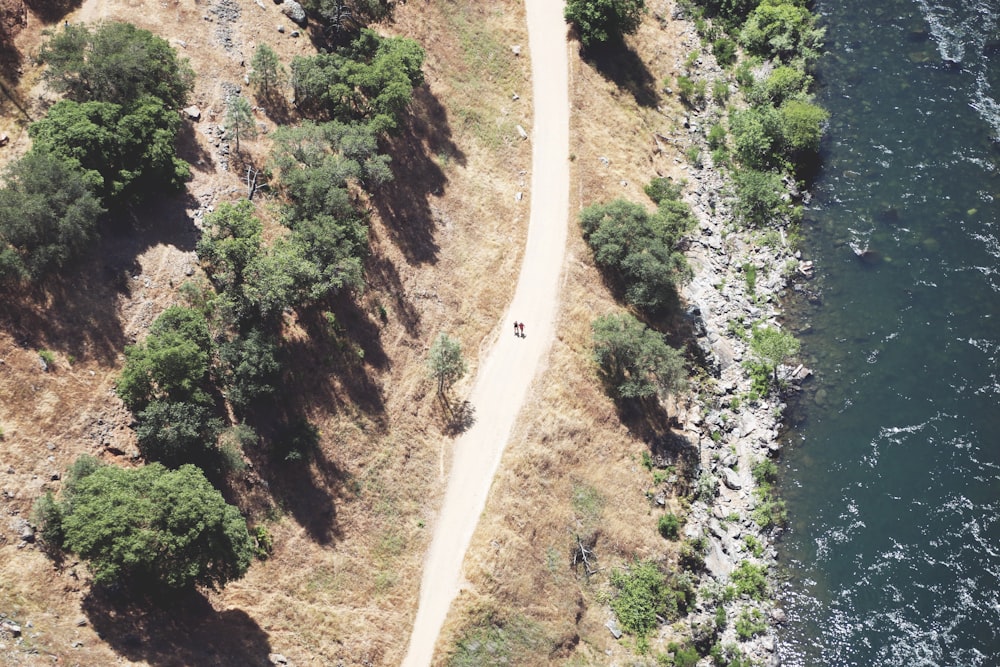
(892, 471)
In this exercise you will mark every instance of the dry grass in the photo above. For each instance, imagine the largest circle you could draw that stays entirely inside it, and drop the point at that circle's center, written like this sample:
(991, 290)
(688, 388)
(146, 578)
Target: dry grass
(573, 469)
(447, 235)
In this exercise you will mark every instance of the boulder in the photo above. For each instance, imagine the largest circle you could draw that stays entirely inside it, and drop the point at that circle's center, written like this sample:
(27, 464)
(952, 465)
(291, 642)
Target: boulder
(193, 112)
(294, 11)
(731, 479)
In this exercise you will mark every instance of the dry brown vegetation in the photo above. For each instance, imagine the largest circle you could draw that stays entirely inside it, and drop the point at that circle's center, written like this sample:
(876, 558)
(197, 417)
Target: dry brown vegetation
(447, 234)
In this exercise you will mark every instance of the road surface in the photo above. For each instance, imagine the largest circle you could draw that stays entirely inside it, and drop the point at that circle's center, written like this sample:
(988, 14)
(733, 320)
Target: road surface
(509, 367)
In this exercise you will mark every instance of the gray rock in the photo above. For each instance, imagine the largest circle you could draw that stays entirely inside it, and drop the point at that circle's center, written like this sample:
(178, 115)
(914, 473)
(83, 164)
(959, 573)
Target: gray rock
(615, 630)
(294, 11)
(521, 131)
(778, 615)
(731, 479)
(193, 112)
(281, 28)
(277, 659)
(11, 627)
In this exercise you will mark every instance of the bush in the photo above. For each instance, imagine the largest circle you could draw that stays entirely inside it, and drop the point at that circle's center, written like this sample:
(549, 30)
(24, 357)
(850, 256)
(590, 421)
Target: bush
(155, 526)
(758, 201)
(662, 190)
(641, 594)
(750, 623)
(692, 554)
(782, 29)
(669, 526)
(750, 580)
(249, 368)
(684, 655)
(724, 50)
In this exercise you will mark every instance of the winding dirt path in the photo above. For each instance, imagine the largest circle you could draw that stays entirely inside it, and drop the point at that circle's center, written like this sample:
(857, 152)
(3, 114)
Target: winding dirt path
(510, 366)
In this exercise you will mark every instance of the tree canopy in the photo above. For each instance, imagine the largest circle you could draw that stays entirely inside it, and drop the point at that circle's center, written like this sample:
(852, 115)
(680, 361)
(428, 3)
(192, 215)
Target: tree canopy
(48, 216)
(152, 525)
(638, 248)
(600, 21)
(172, 364)
(372, 79)
(771, 347)
(445, 362)
(125, 153)
(634, 360)
(116, 63)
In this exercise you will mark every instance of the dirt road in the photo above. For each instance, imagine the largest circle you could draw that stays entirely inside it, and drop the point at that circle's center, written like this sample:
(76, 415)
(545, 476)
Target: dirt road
(508, 368)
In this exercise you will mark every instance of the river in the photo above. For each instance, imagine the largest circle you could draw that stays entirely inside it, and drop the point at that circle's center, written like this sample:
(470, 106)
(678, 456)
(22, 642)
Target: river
(891, 469)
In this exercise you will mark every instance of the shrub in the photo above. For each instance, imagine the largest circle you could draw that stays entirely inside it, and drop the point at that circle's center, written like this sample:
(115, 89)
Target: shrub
(662, 190)
(684, 655)
(750, 580)
(641, 594)
(669, 526)
(724, 50)
(716, 136)
(758, 201)
(750, 623)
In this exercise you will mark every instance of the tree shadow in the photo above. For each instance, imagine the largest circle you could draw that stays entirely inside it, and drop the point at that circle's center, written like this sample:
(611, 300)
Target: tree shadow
(51, 11)
(458, 417)
(417, 149)
(76, 311)
(191, 151)
(383, 274)
(620, 64)
(175, 630)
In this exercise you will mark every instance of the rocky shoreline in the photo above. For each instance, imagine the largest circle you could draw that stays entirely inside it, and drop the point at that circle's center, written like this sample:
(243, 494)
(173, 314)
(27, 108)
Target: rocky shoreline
(731, 432)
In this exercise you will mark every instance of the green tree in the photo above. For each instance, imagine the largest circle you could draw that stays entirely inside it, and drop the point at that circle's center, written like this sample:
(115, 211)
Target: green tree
(48, 216)
(634, 360)
(782, 29)
(371, 80)
(802, 128)
(445, 362)
(124, 155)
(266, 71)
(239, 119)
(249, 368)
(176, 432)
(757, 136)
(599, 21)
(152, 525)
(344, 18)
(771, 347)
(116, 63)
(758, 197)
(172, 364)
(640, 249)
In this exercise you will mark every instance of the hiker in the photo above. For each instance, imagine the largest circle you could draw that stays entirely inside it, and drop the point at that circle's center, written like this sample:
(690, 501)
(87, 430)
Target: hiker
(521, 325)
(515, 328)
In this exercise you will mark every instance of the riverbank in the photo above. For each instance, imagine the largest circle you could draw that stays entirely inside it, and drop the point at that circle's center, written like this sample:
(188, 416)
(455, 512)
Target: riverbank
(740, 277)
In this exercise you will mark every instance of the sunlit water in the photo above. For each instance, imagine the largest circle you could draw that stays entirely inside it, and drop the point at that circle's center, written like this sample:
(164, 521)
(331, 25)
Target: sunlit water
(892, 470)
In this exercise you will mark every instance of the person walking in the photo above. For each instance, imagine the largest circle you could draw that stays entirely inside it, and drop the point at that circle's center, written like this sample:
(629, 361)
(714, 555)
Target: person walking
(515, 328)
(521, 325)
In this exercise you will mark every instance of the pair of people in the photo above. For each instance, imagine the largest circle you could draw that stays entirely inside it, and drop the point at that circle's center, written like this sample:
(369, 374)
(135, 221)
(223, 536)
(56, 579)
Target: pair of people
(519, 329)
